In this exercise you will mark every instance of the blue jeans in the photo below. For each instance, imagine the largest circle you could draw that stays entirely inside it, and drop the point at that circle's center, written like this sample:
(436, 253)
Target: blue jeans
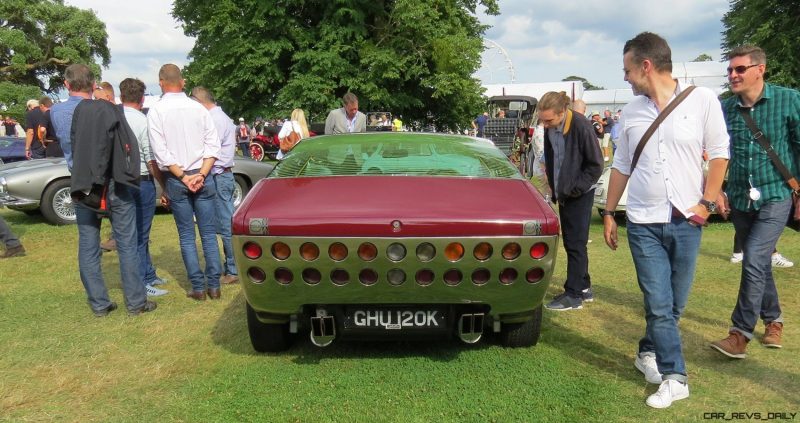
(145, 199)
(225, 183)
(664, 255)
(245, 147)
(758, 297)
(187, 207)
(123, 215)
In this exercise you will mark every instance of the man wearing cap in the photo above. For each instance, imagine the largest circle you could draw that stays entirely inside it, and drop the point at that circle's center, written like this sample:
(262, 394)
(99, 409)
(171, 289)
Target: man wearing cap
(243, 137)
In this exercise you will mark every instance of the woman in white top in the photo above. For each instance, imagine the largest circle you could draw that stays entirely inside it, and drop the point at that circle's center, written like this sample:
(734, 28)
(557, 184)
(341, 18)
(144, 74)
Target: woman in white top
(297, 123)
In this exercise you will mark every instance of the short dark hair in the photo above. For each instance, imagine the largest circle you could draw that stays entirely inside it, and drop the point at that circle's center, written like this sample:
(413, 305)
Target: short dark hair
(46, 101)
(131, 90)
(756, 54)
(202, 95)
(349, 98)
(79, 77)
(649, 46)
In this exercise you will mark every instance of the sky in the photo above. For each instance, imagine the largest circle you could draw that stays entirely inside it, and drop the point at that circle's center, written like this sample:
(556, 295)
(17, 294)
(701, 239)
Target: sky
(545, 41)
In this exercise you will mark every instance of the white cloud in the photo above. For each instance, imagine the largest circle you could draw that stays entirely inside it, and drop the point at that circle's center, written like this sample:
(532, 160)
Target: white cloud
(545, 40)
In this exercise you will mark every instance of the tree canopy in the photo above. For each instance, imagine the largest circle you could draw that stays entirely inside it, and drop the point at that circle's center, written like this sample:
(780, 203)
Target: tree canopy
(773, 25)
(703, 57)
(38, 40)
(588, 86)
(415, 58)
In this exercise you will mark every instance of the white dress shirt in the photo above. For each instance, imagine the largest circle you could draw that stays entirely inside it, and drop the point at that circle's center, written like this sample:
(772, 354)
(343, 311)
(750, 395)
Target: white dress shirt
(670, 170)
(227, 138)
(182, 132)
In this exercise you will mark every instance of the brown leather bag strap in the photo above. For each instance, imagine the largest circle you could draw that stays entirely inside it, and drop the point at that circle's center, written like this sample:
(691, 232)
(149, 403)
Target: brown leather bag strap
(653, 126)
(763, 140)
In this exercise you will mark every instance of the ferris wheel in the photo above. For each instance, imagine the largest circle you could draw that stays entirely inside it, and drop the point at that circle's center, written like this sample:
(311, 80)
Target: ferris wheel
(496, 66)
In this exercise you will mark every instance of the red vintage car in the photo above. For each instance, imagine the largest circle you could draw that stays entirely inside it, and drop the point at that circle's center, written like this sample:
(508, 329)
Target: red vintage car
(393, 234)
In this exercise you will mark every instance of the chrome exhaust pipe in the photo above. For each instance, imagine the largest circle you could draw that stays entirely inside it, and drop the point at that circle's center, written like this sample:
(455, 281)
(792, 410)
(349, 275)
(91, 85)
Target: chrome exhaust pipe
(323, 330)
(470, 327)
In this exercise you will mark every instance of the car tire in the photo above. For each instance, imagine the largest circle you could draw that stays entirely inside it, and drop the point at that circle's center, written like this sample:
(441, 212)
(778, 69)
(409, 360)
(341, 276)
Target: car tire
(240, 189)
(272, 156)
(56, 206)
(267, 337)
(256, 151)
(525, 334)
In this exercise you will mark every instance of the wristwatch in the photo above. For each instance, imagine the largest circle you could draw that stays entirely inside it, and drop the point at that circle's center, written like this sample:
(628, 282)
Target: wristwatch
(709, 205)
(607, 213)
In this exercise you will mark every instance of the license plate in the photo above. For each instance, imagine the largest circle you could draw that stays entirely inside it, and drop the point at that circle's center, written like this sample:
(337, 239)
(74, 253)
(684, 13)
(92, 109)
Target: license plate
(394, 318)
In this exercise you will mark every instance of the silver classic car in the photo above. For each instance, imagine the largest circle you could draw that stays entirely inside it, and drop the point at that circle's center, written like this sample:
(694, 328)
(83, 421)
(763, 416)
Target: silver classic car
(43, 185)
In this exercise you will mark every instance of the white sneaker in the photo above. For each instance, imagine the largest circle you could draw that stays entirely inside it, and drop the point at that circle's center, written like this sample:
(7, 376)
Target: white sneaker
(670, 390)
(646, 363)
(737, 257)
(155, 292)
(779, 260)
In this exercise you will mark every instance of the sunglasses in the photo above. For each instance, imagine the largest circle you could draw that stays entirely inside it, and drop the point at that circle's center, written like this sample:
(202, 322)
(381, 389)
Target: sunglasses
(741, 69)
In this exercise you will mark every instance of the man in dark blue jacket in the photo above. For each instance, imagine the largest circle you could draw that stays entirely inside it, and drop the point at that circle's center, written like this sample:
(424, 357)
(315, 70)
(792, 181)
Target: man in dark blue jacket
(573, 164)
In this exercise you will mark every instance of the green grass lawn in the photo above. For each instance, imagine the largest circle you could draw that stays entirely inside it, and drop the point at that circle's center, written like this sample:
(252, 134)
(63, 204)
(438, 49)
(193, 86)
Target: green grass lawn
(191, 361)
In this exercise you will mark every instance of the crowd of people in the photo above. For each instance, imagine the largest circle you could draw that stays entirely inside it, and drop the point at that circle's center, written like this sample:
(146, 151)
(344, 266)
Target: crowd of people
(674, 145)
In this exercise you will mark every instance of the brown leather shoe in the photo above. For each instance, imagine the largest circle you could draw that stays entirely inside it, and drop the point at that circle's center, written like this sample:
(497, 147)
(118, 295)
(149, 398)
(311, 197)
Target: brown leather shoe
(214, 293)
(229, 279)
(772, 335)
(17, 251)
(197, 295)
(733, 346)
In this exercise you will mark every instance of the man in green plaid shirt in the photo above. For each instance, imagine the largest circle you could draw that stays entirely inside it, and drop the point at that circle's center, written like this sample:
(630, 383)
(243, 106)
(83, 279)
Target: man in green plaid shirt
(759, 197)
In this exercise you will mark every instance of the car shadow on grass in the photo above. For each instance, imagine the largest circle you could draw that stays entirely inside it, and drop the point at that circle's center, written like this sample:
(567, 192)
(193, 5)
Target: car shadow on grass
(230, 332)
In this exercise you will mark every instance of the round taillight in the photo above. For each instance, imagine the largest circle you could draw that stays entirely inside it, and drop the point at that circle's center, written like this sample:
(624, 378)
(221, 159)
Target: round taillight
(337, 251)
(453, 277)
(396, 251)
(396, 277)
(539, 250)
(454, 251)
(425, 277)
(481, 276)
(367, 251)
(283, 275)
(534, 275)
(256, 274)
(281, 251)
(312, 276)
(368, 277)
(511, 251)
(426, 252)
(482, 251)
(309, 251)
(508, 276)
(340, 276)
(251, 250)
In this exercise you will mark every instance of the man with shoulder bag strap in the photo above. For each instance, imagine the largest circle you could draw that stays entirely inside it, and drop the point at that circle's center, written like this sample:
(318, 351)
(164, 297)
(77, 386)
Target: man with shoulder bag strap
(763, 120)
(664, 132)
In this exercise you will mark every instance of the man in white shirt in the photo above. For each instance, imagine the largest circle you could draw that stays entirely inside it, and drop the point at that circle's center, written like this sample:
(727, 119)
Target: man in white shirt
(223, 178)
(186, 146)
(131, 92)
(667, 201)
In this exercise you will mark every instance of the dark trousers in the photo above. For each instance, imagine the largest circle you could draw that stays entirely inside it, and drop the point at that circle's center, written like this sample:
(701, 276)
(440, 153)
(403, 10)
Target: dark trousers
(575, 214)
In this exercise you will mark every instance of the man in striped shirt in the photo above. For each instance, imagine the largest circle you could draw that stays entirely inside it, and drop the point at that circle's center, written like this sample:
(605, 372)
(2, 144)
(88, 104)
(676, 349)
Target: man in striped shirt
(757, 193)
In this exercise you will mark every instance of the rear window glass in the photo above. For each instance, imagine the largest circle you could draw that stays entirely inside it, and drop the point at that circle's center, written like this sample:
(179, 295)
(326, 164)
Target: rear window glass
(395, 154)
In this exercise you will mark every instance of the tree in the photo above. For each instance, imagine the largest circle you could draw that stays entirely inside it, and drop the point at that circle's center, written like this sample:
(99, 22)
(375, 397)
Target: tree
(38, 40)
(588, 86)
(773, 25)
(703, 58)
(409, 57)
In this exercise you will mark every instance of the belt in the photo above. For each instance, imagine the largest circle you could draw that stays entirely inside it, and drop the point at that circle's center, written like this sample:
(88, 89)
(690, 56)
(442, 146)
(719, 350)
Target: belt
(147, 177)
(677, 213)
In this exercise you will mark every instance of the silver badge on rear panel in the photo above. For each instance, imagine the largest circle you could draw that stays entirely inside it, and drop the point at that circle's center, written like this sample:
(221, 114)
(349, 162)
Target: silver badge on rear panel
(258, 226)
(532, 227)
